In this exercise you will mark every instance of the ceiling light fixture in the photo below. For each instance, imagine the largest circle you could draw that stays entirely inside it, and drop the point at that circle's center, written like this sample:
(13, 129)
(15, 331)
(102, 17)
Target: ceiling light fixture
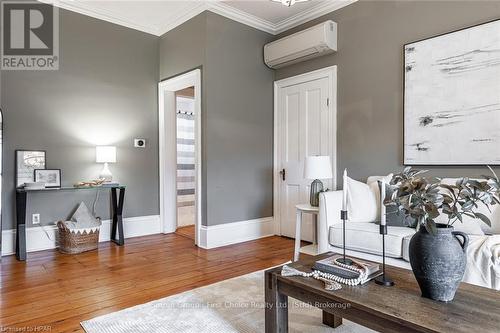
(289, 3)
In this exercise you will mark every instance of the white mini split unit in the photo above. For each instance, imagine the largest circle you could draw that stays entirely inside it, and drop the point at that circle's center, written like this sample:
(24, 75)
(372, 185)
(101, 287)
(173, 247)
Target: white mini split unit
(310, 43)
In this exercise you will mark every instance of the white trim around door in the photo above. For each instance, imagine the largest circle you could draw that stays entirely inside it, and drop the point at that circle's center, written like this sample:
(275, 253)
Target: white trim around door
(168, 150)
(331, 74)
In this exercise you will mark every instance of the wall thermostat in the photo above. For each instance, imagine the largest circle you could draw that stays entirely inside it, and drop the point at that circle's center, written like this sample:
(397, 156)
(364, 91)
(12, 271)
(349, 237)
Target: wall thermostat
(140, 143)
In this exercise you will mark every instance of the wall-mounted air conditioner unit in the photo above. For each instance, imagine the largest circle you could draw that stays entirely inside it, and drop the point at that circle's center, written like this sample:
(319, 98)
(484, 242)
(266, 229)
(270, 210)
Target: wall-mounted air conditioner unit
(310, 43)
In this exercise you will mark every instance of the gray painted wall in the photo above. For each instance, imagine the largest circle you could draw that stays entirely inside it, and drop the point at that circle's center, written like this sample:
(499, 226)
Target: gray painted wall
(239, 123)
(105, 92)
(371, 35)
(181, 50)
(237, 113)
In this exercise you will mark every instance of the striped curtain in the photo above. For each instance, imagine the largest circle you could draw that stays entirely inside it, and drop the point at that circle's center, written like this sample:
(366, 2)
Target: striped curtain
(185, 153)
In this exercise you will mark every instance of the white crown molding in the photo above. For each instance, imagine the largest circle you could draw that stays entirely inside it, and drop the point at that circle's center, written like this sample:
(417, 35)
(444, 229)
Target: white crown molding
(217, 7)
(310, 14)
(184, 16)
(242, 17)
(101, 14)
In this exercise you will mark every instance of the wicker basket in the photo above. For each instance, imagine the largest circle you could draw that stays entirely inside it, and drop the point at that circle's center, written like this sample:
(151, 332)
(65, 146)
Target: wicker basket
(76, 242)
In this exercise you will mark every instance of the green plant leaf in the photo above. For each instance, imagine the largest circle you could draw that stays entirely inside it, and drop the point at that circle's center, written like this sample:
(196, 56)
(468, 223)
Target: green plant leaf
(424, 198)
(430, 226)
(448, 187)
(483, 218)
(467, 205)
(432, 211)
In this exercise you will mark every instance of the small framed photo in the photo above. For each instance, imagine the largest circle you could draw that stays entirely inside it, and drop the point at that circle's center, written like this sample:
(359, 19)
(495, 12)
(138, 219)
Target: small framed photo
(26, 162)
(51, 177)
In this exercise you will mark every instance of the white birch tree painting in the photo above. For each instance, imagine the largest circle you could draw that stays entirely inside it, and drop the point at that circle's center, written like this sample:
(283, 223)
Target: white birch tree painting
(452, 98)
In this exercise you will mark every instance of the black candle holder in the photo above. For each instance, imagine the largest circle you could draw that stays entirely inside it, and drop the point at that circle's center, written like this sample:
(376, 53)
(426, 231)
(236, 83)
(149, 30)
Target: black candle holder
(383, 280)
(344, 260)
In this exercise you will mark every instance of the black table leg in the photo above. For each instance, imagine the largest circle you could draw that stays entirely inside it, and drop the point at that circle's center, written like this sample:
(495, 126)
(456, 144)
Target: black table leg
(21, 199)
(117, 214)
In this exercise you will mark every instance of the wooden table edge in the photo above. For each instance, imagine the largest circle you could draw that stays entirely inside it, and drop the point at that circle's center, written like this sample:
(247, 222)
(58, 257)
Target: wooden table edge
(365, 316)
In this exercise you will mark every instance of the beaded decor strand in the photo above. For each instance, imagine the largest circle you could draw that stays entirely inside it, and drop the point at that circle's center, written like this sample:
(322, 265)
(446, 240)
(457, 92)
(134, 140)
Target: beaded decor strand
(332, 281)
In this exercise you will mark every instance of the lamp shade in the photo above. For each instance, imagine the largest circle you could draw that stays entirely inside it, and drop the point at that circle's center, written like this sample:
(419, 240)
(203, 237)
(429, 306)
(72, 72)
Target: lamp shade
(105, 154)
(317, 167)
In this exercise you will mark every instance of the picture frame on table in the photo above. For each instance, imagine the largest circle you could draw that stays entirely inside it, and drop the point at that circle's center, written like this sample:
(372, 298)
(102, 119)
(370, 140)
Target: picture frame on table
(50, 177)
(27, 161)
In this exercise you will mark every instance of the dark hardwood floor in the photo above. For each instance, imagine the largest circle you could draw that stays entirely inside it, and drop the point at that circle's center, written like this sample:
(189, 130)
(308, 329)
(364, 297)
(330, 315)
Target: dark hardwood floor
(61, 290)
(187, 231)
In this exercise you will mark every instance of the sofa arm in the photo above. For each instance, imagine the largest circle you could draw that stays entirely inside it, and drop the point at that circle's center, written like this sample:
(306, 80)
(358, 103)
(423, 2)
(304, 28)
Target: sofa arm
(330, 205)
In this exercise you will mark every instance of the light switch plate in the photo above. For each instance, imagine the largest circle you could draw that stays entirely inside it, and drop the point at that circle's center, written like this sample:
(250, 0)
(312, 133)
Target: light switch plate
(35, 218)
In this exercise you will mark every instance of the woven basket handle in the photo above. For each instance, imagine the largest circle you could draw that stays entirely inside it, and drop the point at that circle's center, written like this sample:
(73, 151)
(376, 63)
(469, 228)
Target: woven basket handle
(62, 226)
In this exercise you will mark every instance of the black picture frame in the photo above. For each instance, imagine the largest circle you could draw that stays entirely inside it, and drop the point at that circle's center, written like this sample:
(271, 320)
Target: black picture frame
(404, 161)
(37, 173)
(20, 181)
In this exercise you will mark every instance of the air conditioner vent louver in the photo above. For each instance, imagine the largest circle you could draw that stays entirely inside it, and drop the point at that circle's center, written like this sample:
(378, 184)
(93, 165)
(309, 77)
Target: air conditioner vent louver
(316, 41)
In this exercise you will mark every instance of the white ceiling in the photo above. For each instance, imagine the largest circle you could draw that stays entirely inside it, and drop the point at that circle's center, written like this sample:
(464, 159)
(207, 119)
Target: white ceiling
(159, 16)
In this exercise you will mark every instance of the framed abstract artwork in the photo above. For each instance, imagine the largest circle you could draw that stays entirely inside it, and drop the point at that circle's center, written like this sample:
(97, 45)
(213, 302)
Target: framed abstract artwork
(50, 177)
(27, 161)
(452, 98)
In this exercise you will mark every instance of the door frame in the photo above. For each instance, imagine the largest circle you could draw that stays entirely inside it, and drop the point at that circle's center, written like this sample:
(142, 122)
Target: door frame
(331, 74)
(168, 149)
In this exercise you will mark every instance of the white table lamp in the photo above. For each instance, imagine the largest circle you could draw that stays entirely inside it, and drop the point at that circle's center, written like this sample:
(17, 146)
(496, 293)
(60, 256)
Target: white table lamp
(105, 154)
(317, 167)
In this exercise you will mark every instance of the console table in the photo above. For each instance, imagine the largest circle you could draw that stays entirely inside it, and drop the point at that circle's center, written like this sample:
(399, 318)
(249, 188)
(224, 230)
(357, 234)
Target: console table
(22, 195)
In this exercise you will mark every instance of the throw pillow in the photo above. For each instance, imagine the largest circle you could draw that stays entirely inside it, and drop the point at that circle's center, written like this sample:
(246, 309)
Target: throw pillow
(374, 179)
(395, 218)
(470, 226)
(373, 182)
(361, 202)
(494, 219)
(83, 217)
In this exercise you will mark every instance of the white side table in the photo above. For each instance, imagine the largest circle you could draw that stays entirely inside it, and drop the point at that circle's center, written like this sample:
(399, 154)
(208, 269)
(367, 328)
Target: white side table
(309, 249)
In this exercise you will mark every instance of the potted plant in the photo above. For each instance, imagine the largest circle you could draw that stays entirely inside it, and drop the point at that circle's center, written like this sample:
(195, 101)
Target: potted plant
(437, 251)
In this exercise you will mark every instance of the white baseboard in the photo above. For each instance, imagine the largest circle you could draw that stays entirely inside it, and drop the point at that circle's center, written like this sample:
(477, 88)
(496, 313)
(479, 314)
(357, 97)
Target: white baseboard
(38, 238)
(236, 232)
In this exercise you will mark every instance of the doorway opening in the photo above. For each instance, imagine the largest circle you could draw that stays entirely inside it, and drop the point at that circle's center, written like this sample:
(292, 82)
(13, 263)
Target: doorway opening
(179, 113)
(186, 164)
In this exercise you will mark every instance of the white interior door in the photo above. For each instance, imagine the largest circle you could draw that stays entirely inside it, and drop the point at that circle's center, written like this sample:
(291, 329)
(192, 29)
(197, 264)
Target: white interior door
(305, 128)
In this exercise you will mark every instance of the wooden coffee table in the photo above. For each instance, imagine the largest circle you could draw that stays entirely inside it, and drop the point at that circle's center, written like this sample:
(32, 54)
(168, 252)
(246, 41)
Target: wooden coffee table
(385, 309)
